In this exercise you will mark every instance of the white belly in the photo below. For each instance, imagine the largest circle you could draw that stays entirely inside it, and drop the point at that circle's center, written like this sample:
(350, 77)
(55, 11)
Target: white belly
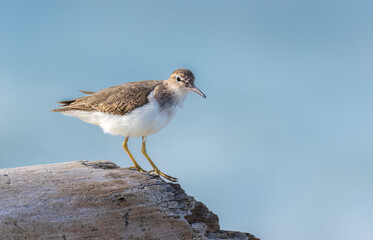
(143, 121)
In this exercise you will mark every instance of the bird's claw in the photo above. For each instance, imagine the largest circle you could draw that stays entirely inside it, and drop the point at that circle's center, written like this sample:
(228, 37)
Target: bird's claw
(137, 168)
(158, 172)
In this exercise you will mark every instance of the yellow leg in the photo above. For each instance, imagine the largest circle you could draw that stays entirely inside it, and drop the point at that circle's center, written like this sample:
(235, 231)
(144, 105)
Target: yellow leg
(125, 147)
(156, 170)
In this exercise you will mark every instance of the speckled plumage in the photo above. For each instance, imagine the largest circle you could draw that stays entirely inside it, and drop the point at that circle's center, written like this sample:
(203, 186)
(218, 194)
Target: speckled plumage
(117, 100)
(133, 109)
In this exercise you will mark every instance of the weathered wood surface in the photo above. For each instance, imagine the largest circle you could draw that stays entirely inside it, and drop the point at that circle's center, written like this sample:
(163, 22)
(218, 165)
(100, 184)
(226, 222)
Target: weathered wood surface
(98, 200)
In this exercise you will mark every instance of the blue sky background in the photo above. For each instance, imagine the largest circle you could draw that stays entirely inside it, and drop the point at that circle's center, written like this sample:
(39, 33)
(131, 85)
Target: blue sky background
(281, 147)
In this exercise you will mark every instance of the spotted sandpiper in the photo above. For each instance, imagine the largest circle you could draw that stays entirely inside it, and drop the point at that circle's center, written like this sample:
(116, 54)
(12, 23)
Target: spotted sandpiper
(134, 109)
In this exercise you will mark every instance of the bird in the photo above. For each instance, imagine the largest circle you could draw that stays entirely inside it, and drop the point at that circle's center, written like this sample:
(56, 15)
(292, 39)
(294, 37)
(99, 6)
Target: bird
(134, 109)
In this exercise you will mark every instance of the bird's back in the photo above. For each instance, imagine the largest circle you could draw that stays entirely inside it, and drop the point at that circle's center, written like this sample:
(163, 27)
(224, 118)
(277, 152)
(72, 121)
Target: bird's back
(117, 100)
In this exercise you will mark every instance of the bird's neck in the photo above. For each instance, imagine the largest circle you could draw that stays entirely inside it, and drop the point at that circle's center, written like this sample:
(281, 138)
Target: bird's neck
(179, 94)
(169, 96)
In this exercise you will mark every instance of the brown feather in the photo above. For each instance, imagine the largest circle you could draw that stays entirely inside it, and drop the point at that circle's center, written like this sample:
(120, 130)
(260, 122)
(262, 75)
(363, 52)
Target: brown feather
(117, 100)
(86, 92)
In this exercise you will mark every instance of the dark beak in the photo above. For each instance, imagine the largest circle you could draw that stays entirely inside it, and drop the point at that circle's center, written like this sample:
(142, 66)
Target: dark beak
(196, 90)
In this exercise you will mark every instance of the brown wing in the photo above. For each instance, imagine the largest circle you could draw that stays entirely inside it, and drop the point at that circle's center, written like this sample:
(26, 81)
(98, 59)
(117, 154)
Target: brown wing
(86, 92)
(117, 100)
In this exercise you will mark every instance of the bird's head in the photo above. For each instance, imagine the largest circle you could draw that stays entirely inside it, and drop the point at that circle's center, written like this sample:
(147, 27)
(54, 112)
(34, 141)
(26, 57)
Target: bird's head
(183, 80)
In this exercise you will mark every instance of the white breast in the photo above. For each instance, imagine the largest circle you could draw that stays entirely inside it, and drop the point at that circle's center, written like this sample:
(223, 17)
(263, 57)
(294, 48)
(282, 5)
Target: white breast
(143, 121)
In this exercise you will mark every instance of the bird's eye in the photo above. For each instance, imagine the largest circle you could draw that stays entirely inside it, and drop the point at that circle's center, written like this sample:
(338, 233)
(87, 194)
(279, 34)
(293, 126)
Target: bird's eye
(178, 79)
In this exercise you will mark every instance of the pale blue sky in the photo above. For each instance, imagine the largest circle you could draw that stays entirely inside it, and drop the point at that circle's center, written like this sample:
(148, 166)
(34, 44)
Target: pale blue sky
(281, 147)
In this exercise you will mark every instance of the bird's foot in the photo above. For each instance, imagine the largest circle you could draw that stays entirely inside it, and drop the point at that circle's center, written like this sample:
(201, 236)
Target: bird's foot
(138, 168)
(158, 172)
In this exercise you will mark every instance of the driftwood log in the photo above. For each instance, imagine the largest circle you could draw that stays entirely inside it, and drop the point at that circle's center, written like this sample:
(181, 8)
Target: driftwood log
(99, 200)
